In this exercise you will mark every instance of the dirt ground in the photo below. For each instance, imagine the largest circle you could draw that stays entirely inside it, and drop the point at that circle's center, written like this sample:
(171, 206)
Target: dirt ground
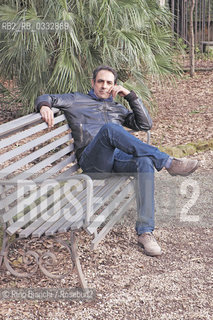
(128, 284)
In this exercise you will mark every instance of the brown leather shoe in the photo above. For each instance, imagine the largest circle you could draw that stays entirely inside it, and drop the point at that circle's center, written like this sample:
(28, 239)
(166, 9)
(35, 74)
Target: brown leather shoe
(182, 167)
(147, 241)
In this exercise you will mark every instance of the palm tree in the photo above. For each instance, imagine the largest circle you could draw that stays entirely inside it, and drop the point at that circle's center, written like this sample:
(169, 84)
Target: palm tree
(132, 36)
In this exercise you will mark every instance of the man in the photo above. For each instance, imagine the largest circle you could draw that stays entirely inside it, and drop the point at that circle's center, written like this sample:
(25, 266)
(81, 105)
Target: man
(104, 146)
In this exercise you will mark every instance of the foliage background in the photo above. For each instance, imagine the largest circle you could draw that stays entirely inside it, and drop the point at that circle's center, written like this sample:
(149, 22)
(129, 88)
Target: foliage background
(132, 36)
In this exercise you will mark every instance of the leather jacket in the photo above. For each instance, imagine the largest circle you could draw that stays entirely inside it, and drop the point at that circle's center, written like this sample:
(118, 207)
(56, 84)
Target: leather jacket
(86, 114)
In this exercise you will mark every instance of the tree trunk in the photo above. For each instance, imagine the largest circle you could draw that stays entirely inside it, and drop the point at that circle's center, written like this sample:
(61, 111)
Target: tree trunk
(192, 41)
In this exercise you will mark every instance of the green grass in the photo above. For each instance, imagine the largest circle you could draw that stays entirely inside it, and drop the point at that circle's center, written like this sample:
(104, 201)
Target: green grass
(188, 149)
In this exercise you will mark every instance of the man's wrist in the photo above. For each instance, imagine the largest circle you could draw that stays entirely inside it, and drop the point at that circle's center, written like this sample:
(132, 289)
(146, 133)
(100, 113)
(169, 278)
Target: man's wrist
(131, 96)
(43, 104)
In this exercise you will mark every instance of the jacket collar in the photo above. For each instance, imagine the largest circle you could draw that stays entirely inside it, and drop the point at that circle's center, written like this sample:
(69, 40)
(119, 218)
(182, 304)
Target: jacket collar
(93, 95)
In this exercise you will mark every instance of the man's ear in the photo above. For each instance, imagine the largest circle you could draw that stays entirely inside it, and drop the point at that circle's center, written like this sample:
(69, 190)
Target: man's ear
(92, 83)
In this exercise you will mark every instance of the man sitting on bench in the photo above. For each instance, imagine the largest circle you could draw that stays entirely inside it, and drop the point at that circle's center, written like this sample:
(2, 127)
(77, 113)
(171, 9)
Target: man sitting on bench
(103, 146)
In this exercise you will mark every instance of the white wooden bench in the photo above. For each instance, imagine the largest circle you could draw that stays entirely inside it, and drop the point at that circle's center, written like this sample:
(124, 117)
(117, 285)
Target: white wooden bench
(43, 192)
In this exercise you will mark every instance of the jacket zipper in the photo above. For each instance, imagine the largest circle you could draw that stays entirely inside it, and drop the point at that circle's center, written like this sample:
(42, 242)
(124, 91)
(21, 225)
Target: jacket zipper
(105, 113)
(81, 132)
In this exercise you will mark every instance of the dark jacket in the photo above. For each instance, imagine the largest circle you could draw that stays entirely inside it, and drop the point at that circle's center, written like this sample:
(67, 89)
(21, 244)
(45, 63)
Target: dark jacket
(86, 114)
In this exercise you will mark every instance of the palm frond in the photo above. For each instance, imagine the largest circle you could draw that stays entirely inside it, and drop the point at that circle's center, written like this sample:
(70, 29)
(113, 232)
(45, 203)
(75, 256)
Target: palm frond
(132, 36)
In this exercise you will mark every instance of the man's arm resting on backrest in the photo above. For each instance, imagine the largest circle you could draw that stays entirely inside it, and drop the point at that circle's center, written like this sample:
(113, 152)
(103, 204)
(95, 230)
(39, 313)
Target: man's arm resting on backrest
(139, 119)
(45, 102)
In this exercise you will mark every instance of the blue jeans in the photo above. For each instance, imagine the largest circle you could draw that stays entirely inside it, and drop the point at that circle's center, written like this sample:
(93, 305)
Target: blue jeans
(115, 150)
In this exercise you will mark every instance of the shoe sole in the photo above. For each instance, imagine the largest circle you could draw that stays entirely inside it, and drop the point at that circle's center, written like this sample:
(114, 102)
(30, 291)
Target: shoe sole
(187, 173)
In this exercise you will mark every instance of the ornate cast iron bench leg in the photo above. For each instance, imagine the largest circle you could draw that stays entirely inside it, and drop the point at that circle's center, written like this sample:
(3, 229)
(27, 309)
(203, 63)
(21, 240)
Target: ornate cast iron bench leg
(3, 247)
(76, 261)
(32, 260)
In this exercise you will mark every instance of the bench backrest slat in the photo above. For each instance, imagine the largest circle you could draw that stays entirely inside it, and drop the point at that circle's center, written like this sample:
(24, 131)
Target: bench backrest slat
(69, 171)
(32, 144)
(28, 132)
(31, 157)
(54, 170)
(39, 166)
(16, 125)
(47, 162)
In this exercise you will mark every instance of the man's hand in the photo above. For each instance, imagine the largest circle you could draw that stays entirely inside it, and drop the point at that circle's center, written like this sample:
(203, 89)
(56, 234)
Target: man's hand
(47, 115)
(121, 91)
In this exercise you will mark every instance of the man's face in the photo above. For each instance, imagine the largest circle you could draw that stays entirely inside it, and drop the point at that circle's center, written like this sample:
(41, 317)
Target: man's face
(103, 84)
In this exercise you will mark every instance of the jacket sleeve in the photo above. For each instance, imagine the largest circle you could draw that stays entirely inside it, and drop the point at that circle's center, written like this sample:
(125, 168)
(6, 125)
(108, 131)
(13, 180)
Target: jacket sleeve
(139, 119)
(60, 101)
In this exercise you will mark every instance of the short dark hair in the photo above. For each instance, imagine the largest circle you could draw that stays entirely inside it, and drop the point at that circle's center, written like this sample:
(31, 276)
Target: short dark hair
(108, 68)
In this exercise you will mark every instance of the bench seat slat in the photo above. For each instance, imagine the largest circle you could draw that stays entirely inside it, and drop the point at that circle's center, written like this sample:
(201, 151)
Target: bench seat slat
(99, 191)
(49, 227)
(60, 199)
(42, 206)
(111, 206)
(41, 223)
(112, 185)
(118, 215)
(36, 194)
(77, 209)
(13, 212)
(56, 215)
(77, 225)
(63, 224)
